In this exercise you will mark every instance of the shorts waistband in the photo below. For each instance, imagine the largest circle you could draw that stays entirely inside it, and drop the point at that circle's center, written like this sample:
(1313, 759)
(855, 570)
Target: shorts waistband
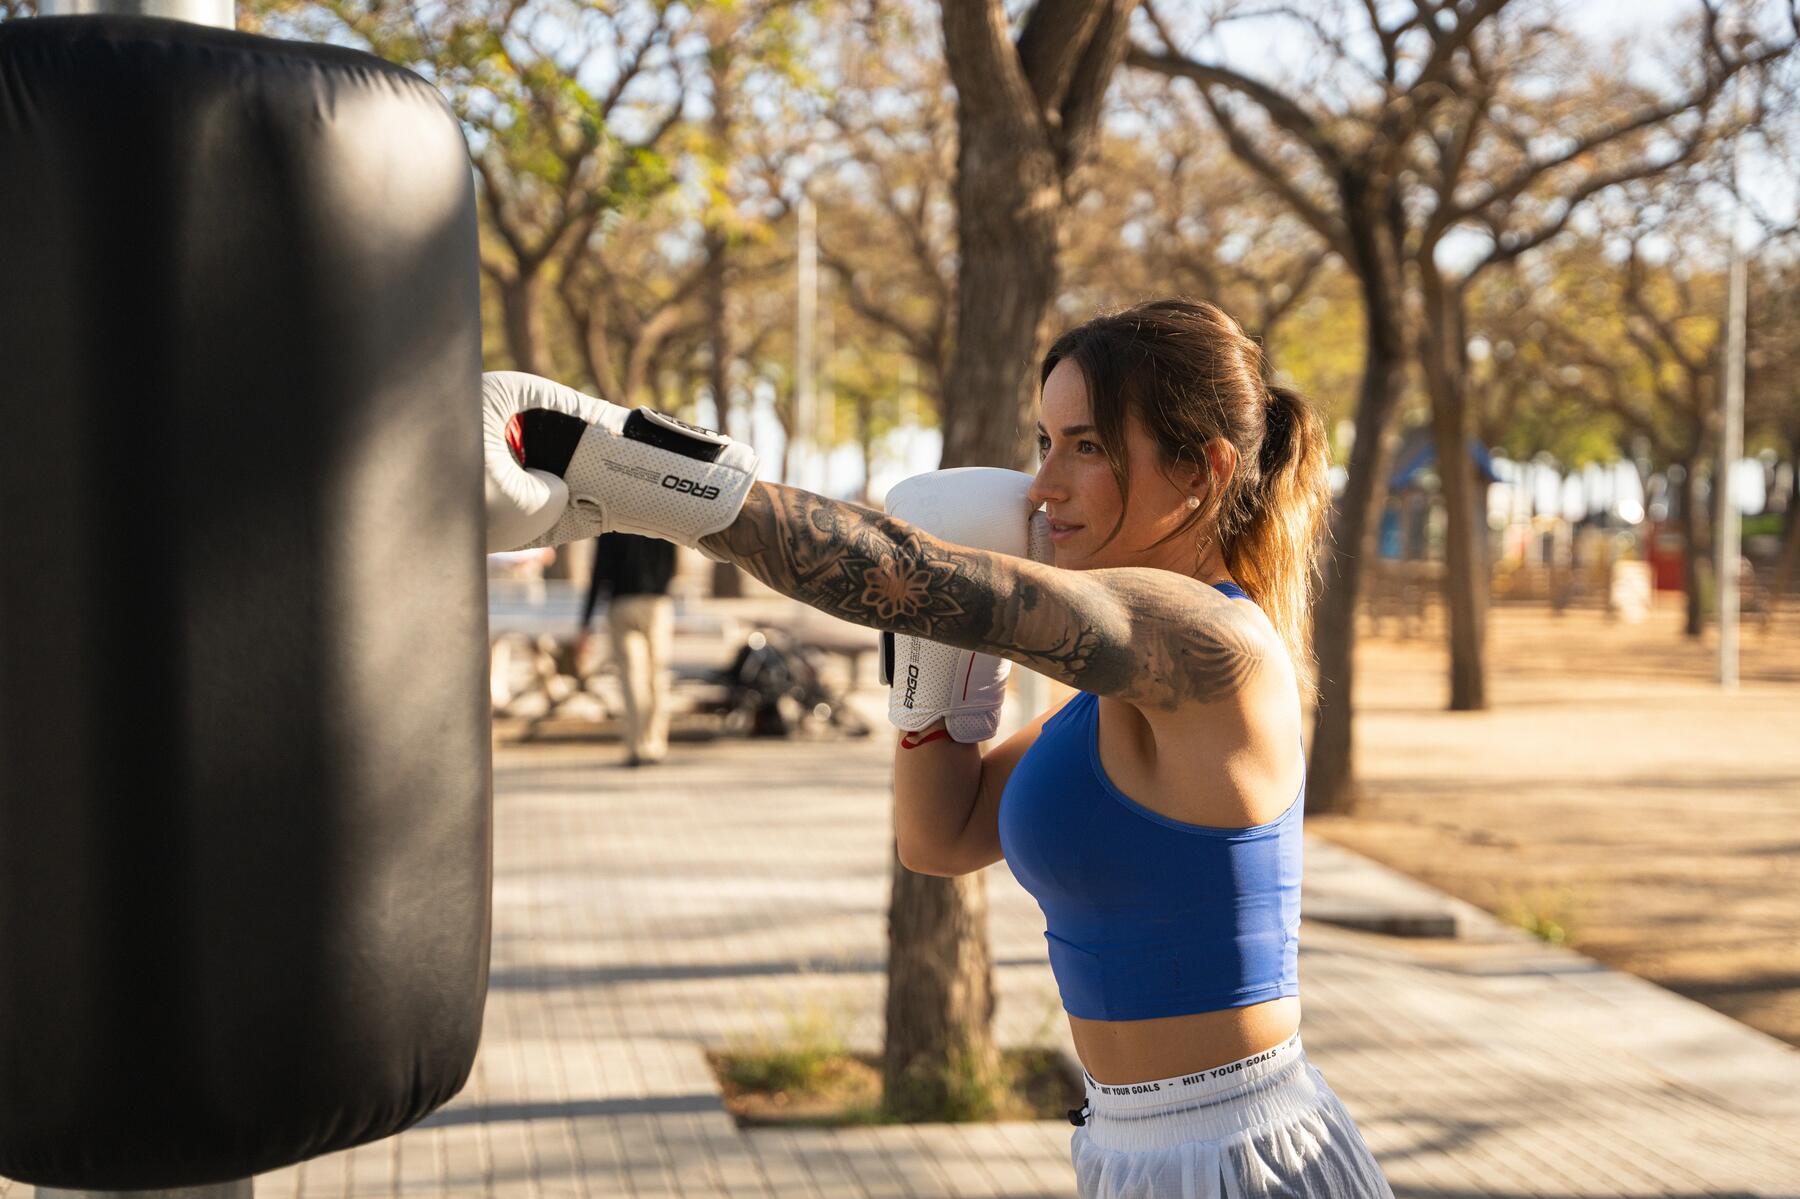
(1124, 1098)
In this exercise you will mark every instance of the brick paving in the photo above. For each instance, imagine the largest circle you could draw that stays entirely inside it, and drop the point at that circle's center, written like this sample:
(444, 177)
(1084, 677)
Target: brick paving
(643, 917)
(739, 890)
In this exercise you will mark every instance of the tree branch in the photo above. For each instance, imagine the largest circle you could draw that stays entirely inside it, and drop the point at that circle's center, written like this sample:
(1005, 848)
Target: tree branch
(1282, 110)
(1506, 249)
(1326, 224)
(631, 64)
(919, 342)
(503, 224)
(1079, 113)
(1055, 37)
(1646, 118)
(983, 63)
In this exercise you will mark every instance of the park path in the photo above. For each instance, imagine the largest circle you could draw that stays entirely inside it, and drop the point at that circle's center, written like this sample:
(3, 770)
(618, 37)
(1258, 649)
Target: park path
(642, 917)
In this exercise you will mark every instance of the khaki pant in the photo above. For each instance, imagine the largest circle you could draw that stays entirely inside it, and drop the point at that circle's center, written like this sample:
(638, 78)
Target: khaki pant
(643, 630)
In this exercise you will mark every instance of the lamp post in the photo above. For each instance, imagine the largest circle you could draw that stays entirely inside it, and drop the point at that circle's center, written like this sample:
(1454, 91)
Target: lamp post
(1731, 448)
(1728, 530)
(806, 322)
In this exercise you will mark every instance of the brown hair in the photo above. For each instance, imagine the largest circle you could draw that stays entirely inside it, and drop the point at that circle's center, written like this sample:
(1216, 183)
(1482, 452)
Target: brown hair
(1191, 374)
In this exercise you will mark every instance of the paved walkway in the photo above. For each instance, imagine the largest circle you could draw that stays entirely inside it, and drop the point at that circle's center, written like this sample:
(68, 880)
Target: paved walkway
(642, 917)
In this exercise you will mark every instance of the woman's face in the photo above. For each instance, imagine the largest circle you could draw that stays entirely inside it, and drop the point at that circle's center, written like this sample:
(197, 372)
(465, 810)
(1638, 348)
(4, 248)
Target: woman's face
(1076, 487)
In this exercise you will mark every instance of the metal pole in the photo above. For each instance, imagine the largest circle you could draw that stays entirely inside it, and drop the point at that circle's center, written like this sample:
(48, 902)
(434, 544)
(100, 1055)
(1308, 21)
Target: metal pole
(1727, 530)
(221, 14)
(826, 426)
(1731, 448)
(807, 284)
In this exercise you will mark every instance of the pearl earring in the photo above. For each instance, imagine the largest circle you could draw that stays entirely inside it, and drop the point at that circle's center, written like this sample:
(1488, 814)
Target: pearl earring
(1193, 501)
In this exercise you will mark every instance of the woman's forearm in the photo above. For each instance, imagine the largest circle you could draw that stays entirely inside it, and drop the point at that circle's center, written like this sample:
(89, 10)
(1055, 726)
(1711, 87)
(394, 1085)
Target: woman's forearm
(1150, 637)
(935, 788)
(862, 566)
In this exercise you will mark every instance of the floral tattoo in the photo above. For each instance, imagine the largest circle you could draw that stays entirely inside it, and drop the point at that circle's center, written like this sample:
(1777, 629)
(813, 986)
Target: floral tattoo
(1147, 636)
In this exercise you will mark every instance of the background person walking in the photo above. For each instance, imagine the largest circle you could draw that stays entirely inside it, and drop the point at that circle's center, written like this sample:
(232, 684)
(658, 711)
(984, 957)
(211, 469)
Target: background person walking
(640, 617)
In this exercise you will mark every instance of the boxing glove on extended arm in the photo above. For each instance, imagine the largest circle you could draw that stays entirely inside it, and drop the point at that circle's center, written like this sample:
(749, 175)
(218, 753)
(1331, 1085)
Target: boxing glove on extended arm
(987, 508)
(563, 466)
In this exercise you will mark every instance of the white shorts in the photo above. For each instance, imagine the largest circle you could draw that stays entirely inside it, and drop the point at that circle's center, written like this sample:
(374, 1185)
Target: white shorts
(1266, 1127)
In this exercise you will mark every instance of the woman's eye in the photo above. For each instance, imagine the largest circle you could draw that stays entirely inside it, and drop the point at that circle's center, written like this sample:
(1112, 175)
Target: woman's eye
(1088, 445)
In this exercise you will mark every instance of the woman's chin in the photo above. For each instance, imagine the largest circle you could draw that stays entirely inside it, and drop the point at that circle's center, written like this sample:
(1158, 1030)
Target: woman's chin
(1069, 559)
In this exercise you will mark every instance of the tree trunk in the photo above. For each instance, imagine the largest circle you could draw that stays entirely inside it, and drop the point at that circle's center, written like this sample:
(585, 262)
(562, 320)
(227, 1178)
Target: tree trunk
(940, 1000)
(940, 981)
(1793, 504)
(1008, 205)
(1691, 549)
(590, 322)
(1441, 343)
(1007, 228)
(727, 579)
(644, 350)
(940, 985)
(1331, 767)
(523, 325)
(1783, 583)
(522, 320)
(1009, 201)
(940, 1054)
(719, 342)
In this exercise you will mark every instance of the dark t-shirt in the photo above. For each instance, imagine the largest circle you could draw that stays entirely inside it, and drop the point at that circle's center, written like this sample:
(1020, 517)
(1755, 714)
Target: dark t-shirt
(626, 564)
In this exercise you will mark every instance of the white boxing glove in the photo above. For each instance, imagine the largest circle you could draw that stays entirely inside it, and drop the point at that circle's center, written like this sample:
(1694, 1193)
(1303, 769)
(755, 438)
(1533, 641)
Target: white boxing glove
(986, 508)
(563, 466)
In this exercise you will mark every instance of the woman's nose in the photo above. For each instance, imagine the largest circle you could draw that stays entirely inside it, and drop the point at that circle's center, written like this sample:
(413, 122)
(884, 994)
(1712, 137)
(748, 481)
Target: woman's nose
(1043, 488)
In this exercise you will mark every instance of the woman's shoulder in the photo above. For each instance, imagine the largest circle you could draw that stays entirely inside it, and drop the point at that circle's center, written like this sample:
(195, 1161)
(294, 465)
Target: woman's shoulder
(1249, 740)
(1271, 650)
(1215, 645)
(1270, 691)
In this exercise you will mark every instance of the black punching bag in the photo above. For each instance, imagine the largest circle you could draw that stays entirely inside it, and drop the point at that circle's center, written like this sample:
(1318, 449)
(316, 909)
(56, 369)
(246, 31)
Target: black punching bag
(244, 765)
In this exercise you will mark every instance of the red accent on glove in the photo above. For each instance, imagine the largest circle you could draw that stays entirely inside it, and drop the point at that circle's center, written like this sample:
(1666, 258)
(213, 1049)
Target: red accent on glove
(914, 740)
(515, 439)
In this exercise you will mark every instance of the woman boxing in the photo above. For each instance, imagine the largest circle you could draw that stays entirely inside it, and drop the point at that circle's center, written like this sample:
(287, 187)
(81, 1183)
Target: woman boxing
(1154, 811)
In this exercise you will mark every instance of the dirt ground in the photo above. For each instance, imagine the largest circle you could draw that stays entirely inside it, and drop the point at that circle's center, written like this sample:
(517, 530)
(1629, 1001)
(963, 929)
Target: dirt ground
(1613, 790)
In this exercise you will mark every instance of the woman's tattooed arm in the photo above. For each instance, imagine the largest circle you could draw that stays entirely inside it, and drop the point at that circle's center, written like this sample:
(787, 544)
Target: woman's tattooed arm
(1146, 636)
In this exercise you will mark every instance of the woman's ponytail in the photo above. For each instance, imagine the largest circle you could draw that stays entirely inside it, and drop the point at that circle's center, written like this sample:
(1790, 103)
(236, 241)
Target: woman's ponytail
(1275, 553)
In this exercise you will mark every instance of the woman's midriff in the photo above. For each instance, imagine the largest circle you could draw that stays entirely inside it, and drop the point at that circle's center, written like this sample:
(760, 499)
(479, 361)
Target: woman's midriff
(1116, 1052)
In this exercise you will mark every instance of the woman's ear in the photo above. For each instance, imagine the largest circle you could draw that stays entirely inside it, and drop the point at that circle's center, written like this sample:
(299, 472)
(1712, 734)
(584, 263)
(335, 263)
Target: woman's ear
(1220, 459)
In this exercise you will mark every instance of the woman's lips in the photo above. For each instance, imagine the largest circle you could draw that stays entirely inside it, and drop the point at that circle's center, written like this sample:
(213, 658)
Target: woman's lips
(1063, 532)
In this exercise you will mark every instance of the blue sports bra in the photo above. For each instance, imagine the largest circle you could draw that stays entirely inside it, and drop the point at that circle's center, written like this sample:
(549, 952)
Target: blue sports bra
(1148, 916)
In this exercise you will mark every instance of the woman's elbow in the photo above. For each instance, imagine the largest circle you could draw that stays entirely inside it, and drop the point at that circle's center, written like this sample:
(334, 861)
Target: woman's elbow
(926, 859)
